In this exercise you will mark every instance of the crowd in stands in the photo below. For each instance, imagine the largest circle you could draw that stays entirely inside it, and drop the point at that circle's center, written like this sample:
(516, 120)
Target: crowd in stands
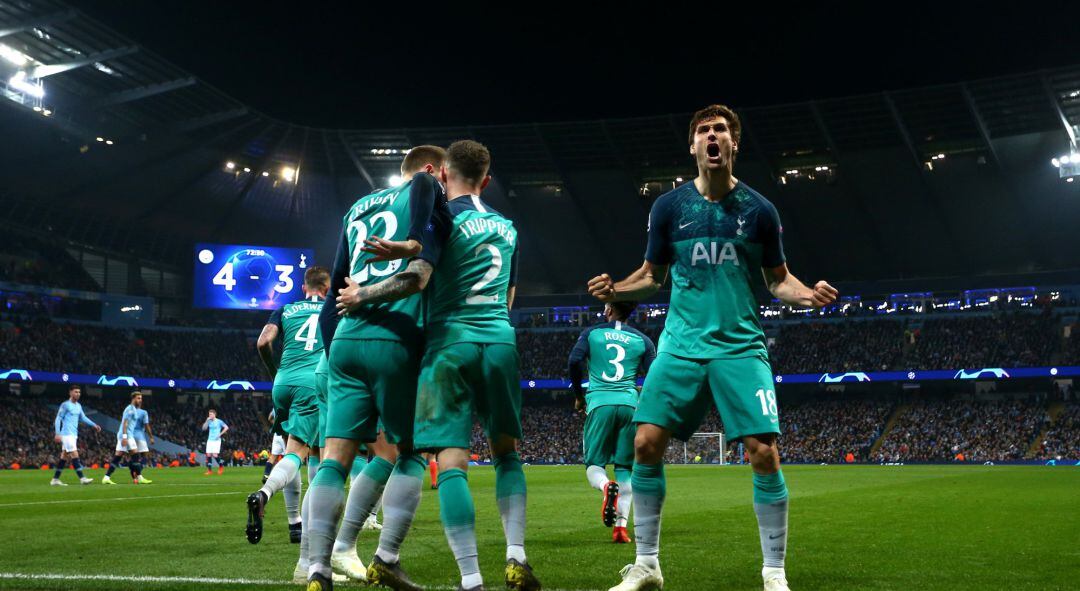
(959, 430)
(812, 347)
(1006, 340)
(1062, 439)
(44, 345)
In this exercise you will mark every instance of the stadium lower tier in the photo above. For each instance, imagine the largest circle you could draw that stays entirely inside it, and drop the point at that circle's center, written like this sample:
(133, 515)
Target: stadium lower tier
(829, 429)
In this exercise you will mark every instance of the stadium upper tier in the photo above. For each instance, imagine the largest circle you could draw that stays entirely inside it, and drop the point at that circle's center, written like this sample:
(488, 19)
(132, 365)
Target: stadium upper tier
(142, 158)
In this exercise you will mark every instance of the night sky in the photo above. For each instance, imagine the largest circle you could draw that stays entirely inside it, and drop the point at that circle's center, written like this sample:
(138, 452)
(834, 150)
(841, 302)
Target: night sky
(350, 65)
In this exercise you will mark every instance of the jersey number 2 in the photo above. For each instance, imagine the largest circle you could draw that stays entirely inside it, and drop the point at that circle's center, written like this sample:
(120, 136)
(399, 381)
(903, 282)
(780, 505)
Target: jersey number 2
(475, 297)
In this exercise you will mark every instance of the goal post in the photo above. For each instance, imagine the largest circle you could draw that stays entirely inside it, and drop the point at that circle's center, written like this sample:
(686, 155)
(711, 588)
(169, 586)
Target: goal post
(701, 448)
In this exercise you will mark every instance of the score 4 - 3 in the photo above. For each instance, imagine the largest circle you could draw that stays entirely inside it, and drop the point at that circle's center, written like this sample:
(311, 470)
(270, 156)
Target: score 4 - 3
(224, 277)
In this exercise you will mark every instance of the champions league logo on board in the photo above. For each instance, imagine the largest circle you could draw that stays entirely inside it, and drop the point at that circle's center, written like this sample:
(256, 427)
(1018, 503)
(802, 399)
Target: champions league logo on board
(990, 372)
(857, 376)
(16, 374)
(234, 385)
(118, 381)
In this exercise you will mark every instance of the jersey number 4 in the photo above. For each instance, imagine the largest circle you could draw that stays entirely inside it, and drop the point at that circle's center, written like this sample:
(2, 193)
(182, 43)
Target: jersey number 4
(308, 333)
(391, 222)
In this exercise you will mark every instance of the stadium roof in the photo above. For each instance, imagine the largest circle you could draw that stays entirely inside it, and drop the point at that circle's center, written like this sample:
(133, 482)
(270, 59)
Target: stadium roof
(129, 152)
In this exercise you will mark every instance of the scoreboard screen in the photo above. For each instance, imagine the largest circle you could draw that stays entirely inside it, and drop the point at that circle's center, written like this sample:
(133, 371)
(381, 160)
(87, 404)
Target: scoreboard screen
(249, 277)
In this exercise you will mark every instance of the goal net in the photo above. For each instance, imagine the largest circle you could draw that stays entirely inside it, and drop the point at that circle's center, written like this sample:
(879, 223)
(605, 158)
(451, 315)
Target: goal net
(701, 448)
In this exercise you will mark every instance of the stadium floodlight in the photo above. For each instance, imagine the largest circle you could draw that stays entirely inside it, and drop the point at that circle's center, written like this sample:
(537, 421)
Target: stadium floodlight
(1055, 162)
(230, 165)
(288, 173)
(19, 82)
(46, 112)
(100, 139)
(108, 142)
(265, 173)
(678, 179)
(395, 180)
(13, 55)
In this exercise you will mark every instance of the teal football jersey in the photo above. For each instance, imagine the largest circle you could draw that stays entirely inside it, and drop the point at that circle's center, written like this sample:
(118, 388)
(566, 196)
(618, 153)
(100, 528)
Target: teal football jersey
(716, 251)
(475, 266)
(617, 354)
(299, 325)
(398, 213)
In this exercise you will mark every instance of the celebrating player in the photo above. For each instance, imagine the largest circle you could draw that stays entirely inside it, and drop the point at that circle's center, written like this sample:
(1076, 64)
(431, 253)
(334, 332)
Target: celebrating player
(372, 358)
(713, 233)
(66, 433)
(215, 429)
(616, 354)
(296, 413)
(471, 362)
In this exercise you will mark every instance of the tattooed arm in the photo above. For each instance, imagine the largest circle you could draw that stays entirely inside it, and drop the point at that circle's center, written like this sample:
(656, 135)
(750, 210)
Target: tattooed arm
(412, 280)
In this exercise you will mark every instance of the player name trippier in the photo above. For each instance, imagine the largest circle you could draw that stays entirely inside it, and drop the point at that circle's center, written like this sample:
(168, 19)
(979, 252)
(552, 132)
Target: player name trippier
(473, 227)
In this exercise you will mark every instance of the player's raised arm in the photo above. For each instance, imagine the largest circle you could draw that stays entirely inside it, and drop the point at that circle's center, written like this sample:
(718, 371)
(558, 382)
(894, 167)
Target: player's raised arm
(402, 285)
(266, 342)
(641, 284)
(781, 282)
(206, 424)
(788, 289)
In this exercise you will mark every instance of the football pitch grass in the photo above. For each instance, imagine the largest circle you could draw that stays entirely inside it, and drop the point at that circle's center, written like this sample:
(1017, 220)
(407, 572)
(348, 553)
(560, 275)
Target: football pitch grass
(852, 527)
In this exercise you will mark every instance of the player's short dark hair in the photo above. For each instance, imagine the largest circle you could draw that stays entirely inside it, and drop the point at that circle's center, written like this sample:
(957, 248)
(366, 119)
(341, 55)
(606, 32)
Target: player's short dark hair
(471, 160)
(74, 387)
(135, 393)
(713, 111)
(317, 276)
(421, 156)
(623, 309)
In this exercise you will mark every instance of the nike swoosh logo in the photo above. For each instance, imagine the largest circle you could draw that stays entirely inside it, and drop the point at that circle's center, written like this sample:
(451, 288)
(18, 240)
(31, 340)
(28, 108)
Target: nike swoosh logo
(776, 536)
(681, 226)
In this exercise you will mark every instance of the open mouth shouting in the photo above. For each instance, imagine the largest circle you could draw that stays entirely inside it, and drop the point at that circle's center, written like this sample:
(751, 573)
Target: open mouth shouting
(712, 151)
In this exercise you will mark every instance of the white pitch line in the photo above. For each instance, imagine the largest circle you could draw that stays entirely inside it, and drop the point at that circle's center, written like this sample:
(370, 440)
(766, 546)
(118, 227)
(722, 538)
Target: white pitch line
(150, 579)
(27, 504)
(142, 579)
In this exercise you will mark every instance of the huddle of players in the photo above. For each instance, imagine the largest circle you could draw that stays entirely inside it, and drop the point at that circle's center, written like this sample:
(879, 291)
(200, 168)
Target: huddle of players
(712, 234)
(414, 338)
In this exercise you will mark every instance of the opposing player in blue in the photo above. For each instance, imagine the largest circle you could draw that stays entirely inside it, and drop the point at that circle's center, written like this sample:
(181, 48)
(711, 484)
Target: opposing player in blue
(215, 429)
(715, 234)
(66, 433)
(144, 438)
(127, 442)
(613, 354)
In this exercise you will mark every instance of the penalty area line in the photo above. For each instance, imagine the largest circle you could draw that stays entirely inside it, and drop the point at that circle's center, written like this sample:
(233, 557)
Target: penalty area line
(29, 503)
